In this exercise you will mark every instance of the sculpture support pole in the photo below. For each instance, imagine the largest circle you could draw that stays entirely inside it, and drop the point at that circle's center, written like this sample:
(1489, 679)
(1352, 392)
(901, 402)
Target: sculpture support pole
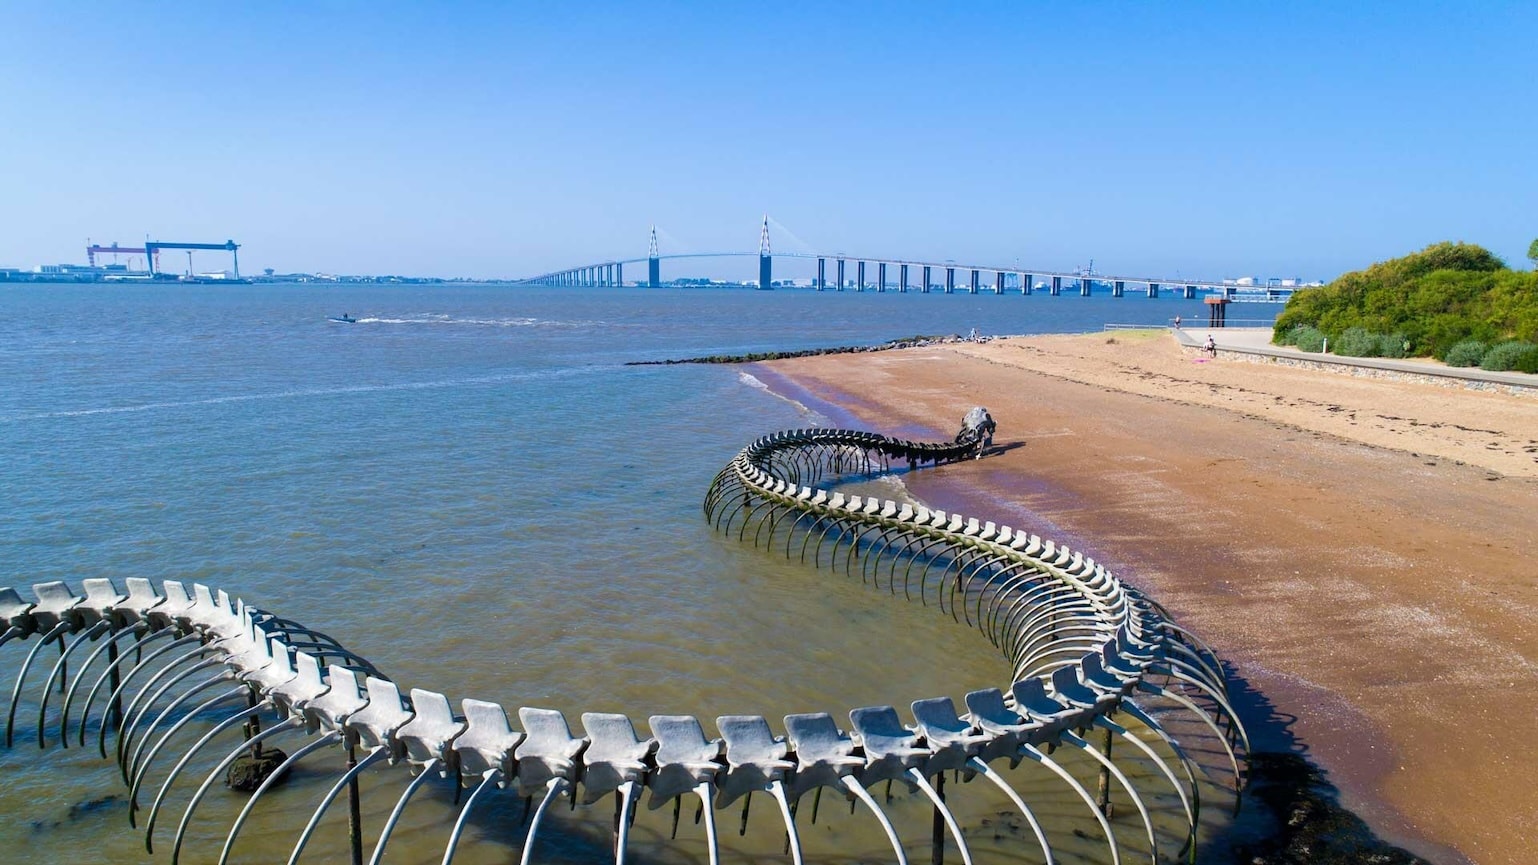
(1105, 780)
(354, 811)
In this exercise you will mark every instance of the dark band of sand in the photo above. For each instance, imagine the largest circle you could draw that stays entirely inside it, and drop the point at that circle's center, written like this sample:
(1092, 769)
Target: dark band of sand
(1364, 551)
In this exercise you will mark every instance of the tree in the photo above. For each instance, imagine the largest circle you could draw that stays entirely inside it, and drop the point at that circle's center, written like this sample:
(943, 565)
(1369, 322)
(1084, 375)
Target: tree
(1532, 253)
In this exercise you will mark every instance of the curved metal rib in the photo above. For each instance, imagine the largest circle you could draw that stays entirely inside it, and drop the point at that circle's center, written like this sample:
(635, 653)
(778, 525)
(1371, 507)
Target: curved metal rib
(552, 789)
(1137, 712)
(69, 696)
(1035, 753)
(986, 771)
(240, 820)
(138, 779)
(400, 808)
(1196, 710)
(21, 676)
(1121, 778)
(945, 813)
(136, 763)
(1169, 773)
(165, 786)
(863, 795)
(626, 793)
(374, 756)
(101, 733)
(459, 825)
(125, 736)
(777, 790)
(711, 838)
(81, 639)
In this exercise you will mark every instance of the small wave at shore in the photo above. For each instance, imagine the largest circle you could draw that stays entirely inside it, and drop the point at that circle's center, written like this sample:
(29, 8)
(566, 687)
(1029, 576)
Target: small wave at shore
(813, 416)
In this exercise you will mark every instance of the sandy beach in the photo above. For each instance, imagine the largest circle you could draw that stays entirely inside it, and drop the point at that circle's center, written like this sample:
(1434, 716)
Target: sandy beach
(1362, 551)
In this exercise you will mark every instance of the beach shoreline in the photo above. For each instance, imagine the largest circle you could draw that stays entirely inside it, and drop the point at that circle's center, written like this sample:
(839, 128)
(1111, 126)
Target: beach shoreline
(1308, 525)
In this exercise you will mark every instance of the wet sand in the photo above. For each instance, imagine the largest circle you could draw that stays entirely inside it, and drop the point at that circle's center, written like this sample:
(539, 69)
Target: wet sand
(1362, 551)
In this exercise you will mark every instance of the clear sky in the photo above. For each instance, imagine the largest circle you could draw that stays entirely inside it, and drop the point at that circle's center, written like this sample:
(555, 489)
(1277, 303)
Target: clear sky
(502, 139)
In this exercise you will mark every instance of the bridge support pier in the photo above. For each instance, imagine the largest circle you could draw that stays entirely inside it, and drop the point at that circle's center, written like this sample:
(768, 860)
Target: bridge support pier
(950, 280)
(1118, 288)
(1025, 285)
(1057, 286)
(840, 274)
(1083, 286)
(765, 272)
(1190, 292)
(881, 278)
(822, 274)
(653, 272)
(902, 278)
(859, 276)
(974, 281)
(619, 274)
(925, 289)
(1217, 309)
(1153, 289)
(998, 282)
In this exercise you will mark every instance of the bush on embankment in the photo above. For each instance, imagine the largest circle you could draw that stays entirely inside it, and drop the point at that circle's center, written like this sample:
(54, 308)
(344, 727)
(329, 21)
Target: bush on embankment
(1305, 336)
(1519, 355)
(1446, 294)
(1466, 353)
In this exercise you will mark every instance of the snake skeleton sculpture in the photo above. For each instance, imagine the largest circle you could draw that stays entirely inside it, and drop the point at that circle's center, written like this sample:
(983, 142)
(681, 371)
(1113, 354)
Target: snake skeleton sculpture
(170, 671)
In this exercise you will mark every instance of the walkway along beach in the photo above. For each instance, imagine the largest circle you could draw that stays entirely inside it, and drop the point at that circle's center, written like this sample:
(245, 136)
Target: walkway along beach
(1361, 549)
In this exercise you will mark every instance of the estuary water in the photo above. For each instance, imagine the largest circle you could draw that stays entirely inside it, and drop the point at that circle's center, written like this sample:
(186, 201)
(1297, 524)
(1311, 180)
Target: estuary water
(469, 488)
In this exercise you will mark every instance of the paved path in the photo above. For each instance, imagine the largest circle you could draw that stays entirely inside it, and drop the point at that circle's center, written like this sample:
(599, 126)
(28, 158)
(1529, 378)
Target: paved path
(1257, 341)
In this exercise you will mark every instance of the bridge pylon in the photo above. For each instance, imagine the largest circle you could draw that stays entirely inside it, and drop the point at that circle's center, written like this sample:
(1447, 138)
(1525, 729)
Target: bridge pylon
(765, 260)
(653, 263)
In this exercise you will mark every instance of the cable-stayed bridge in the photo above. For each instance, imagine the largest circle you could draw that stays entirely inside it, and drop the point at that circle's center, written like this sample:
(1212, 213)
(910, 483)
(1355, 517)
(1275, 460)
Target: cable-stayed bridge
(884, 274)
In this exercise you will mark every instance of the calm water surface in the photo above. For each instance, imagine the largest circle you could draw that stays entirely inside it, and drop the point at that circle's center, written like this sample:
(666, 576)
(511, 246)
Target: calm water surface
(471, 490)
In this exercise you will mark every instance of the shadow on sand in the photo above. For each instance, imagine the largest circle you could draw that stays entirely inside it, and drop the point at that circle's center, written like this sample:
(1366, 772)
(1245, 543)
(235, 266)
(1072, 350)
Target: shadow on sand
(1292, 813)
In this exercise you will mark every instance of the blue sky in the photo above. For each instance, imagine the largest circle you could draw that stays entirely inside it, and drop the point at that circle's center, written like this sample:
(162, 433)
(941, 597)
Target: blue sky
(508, 139)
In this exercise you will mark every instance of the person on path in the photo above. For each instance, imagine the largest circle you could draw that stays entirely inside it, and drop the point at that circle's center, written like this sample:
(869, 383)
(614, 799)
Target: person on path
(1211, 346)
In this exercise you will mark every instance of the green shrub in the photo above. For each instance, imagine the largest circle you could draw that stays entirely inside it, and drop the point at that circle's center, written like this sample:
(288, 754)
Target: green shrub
(1394, 345)
(1356, 342)
(1438, 297)
(1467, 353)
(1526, 362)
(1511, 355)
(1308, 338)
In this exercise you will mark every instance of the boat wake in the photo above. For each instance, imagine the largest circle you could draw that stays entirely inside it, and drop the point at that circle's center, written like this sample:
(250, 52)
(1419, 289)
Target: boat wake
(471, 381)
(516, 321)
